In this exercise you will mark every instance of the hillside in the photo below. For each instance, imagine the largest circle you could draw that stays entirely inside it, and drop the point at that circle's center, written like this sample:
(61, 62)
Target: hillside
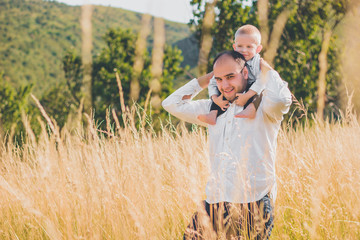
(35, 35)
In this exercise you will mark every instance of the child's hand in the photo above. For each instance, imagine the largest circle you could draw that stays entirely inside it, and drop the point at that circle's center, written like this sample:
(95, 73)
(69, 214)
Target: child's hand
(264, 66)
(242, 98)
(219, 100)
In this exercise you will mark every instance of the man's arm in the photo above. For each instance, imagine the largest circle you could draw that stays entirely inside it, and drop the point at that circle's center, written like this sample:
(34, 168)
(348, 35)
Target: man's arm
(276, 98)
(180, 102)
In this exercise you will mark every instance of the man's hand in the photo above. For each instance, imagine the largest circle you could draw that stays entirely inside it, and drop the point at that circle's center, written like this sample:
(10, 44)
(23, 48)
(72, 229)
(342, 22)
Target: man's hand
(205, 80)
(219, 100)
(186, 97)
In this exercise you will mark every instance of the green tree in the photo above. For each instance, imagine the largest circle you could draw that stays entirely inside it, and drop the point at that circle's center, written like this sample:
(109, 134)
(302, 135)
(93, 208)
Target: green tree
(330, 14)
(13, 102)
(58, 103)
(34, 35)
(72, 67)
(231, 14)
(299, 51)
(119, 55)
(64, 98)
(297, 55)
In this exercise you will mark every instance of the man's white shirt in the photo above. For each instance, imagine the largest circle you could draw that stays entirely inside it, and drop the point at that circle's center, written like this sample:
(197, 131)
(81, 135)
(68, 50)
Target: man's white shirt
(241, 151)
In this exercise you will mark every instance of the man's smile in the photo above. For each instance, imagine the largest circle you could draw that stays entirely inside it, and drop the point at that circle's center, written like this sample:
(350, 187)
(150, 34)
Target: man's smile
(227, 91)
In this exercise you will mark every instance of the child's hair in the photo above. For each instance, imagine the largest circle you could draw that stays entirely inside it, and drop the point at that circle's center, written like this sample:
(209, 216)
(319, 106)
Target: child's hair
(250, 30)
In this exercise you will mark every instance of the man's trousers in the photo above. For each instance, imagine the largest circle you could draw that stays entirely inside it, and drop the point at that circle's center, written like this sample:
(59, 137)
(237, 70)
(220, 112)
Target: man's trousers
(232, 221)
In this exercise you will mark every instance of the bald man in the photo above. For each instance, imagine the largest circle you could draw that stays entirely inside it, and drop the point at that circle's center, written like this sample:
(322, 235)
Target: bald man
(241, 188)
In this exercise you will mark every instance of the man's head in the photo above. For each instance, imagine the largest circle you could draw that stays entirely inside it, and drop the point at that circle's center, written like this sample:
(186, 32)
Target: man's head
(247, 41)
(230, 73)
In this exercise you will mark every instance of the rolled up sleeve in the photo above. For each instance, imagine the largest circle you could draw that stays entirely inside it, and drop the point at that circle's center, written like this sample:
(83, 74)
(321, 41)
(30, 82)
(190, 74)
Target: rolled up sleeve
(258, 85)
(276, 99)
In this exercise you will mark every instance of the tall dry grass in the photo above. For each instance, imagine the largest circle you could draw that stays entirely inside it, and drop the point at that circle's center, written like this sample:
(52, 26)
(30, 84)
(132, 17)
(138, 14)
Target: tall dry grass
(87, 186)
(138, 184)
(318, 178)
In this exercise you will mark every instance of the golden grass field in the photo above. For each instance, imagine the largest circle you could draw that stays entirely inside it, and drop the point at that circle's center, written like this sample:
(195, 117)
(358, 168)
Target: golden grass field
(139, 184)
(135, 183)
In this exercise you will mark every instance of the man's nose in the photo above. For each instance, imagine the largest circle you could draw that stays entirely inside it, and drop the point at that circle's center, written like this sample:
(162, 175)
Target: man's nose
(225, 83)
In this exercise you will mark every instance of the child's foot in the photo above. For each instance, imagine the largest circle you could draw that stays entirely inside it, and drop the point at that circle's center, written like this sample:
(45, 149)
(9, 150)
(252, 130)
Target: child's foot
(209, 118)
(248, 112)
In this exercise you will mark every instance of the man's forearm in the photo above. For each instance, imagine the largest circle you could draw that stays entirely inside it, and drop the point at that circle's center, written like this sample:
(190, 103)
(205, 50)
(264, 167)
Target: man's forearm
(179, 103)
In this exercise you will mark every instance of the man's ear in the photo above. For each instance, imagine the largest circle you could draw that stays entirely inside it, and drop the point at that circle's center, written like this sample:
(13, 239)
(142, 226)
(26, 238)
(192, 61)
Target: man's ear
(259, 48)
(245, 73)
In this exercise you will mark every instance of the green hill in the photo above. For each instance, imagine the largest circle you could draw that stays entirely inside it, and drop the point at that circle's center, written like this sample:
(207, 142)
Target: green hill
(35, 34)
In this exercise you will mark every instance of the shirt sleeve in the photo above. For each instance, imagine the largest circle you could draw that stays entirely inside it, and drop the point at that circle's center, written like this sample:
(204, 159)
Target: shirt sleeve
(258, 86)
(276, 99)
(212, 88)
(187, 109)
(254, 64)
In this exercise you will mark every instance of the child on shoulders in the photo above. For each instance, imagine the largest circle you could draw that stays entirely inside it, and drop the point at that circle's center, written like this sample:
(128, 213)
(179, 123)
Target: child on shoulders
(247, 42)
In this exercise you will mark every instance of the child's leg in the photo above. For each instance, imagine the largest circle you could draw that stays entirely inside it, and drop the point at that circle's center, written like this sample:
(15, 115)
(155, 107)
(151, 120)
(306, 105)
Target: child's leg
(250, 108)
(209, 118)
(248, 112)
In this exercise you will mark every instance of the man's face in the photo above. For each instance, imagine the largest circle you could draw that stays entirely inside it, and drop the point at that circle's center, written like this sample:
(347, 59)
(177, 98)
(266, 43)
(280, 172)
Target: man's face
(229, 76)
(247, 46)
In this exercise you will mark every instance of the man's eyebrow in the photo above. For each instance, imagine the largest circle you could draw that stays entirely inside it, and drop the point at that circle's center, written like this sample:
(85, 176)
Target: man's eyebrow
(230, 74)
(227, 75)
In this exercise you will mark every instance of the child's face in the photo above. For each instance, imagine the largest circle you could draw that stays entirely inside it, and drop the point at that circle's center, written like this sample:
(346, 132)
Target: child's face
(247, 46)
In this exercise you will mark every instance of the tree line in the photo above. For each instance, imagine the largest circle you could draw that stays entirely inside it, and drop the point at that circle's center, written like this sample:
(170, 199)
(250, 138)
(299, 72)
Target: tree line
(299, 40)
(64, 100)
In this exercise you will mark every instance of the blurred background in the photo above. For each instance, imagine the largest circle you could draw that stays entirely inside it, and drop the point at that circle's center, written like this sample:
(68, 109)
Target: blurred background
(68, 53)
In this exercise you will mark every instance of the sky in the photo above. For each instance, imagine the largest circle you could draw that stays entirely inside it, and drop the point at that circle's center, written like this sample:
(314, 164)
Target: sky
(174, 10)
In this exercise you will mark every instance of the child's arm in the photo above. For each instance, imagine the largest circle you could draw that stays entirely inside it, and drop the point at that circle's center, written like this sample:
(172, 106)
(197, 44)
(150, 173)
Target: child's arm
(212, 88)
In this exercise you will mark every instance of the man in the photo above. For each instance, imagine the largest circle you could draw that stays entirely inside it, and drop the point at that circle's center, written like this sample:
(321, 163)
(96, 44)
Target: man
(242, 182)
